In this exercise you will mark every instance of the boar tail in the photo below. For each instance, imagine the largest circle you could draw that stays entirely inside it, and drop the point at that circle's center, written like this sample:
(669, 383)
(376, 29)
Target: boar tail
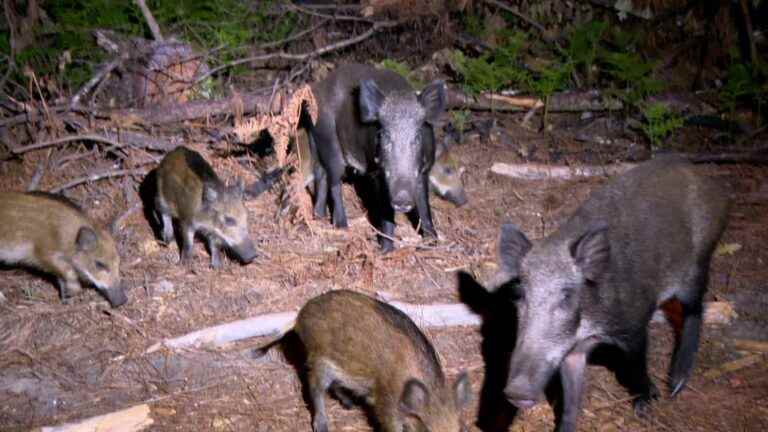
(263, 350)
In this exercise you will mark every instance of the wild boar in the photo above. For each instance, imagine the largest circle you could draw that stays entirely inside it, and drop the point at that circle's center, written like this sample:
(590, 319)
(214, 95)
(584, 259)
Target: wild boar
(373, 122)
(52, 234)
(358, 347)
(642, 240)
(190, 192)
(444, 177)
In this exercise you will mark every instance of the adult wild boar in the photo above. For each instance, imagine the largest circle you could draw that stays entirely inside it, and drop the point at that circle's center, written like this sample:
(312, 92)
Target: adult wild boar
(373, 122)
(643, 239)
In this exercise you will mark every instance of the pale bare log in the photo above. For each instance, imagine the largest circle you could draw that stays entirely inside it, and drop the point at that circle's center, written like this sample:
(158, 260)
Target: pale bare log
(132, 419)
(434, 315)
(578, 101)
(535, 171)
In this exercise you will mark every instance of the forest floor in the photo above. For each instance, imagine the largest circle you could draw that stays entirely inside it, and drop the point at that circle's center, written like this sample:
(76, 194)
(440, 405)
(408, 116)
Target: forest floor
(61, 363)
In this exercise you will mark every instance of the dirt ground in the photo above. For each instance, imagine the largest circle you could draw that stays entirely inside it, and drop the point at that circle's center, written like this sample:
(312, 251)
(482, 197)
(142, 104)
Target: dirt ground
(60, 363)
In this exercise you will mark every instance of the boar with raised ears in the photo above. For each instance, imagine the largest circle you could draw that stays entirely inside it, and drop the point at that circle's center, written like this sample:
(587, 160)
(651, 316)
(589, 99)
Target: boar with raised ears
(444, 178)
(373, 122)
(360, 348)
(190, 192)
(52, 234)
(642, 240)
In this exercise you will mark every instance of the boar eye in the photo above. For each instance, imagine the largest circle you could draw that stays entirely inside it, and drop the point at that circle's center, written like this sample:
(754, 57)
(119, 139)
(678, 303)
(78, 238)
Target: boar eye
(230, 221)
(448, 170)
(101, 266)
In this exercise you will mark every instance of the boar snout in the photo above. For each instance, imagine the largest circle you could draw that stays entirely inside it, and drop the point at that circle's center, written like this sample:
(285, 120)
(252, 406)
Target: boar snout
(521, 393)
(459, 198)
(115, 295)
(245, 251)
(402, 201)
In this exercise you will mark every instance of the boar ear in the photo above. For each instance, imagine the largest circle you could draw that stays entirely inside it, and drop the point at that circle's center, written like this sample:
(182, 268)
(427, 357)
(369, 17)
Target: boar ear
(86, 239)
(432, 98)
(592, 251)
(513, 245)
(462, 390)
(210, 194)
(371, 99)
(415, 397)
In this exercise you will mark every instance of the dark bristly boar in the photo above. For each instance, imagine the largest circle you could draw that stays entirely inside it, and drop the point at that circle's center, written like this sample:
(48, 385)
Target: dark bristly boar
(642, 240)
(373, 122)
(52, 234)
(360, 347)
(444, 177)
(189, 191)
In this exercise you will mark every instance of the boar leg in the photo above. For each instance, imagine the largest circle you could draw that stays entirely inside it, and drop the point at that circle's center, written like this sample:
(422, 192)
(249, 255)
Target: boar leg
(69, 283)
(636, 376)
(325, 143)
(321, 191)
(572, 376)
(319, 381)
(68, 288)
(687, 338)
(214, 247)
(422, 206)
(167, 227)
(383, 215)
(187, 242)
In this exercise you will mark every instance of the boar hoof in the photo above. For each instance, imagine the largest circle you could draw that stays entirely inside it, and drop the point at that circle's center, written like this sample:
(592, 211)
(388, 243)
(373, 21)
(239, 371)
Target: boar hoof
(216, 263)
(320, 424)
(642, 404)
(68, 300)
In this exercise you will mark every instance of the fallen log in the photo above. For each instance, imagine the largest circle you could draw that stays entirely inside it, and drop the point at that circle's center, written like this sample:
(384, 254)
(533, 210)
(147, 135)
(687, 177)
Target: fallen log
(256, 102)
(132, 419)
(434, 315)
(535, 171)
(592, 100)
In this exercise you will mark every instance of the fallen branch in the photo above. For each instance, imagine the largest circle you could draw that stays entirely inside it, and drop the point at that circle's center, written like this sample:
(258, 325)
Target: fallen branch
(561, 102)
(131, 419)
(434, 315)
(734, 365)
(178, 112)
(151, 22)
(750, 345)
(535, 171)
(99, 176)
(377, 26)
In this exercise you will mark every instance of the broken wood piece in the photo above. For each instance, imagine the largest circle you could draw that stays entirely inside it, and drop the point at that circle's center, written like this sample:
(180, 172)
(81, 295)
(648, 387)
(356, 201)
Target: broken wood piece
(536, 171)
(434, 315)
(132, 419)
(734, 365)
(750, 345)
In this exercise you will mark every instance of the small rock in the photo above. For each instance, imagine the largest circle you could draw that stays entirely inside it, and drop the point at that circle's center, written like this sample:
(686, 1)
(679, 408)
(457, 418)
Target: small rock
(163, 287)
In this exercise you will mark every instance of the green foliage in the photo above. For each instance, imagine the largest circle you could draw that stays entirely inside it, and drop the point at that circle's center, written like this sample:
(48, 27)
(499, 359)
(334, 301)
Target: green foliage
(460, 120)
(231, 24)
(403, 70)
(584, 45)
(744, 83)
(495, 70)
(659, 122)
(634, 74)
